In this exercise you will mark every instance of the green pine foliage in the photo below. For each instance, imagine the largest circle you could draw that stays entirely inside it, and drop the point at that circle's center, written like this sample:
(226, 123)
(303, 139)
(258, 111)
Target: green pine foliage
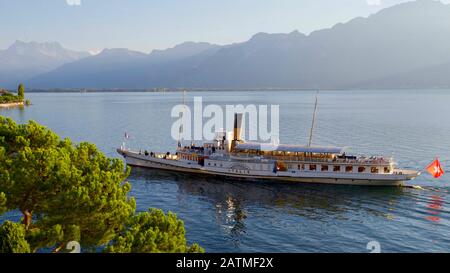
(150, 232)
(73, 192)
(21, 91)
(2, 202)
(8, 97)
(12, 238)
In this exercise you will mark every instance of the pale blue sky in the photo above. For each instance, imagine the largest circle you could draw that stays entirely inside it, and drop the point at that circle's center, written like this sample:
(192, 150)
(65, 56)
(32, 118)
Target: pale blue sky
(148, 24)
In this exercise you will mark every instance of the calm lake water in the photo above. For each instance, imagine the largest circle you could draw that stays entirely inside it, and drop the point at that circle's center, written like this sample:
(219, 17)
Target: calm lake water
(232, 216)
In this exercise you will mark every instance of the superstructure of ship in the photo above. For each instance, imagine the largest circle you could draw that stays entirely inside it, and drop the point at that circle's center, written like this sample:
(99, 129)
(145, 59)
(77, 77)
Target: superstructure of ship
(229, 156)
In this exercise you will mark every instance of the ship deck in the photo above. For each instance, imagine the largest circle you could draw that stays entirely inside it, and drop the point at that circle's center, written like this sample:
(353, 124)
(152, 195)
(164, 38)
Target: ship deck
(166, 162)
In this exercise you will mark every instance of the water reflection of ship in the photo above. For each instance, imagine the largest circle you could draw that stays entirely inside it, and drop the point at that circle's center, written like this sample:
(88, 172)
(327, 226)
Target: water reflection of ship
(234, 197)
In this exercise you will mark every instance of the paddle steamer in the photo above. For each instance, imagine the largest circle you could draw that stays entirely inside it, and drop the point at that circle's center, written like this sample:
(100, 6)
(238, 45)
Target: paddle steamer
(229, 156)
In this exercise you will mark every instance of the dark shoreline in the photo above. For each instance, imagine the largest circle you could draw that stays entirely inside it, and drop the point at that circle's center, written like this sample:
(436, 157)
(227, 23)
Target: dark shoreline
(175, 90)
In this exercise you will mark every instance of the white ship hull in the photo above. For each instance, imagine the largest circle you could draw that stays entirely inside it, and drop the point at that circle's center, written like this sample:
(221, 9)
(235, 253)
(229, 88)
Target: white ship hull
(227, 170)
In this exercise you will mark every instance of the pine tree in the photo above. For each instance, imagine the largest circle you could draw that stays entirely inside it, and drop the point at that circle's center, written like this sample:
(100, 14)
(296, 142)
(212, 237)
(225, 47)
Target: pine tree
(73, 192)
(21, 91)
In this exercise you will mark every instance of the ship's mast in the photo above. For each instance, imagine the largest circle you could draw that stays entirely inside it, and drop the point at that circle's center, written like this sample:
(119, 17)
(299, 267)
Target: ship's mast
(313, 121)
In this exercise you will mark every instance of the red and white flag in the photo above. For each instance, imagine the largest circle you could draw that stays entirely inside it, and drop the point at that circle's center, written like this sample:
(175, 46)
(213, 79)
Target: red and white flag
(435, 169)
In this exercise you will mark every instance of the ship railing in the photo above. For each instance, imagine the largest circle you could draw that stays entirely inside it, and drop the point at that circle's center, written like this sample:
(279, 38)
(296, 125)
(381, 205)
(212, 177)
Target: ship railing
(366, 161)
(166, 156)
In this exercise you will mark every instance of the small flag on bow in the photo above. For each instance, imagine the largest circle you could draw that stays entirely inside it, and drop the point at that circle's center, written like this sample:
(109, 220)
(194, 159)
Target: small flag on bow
(435, 169)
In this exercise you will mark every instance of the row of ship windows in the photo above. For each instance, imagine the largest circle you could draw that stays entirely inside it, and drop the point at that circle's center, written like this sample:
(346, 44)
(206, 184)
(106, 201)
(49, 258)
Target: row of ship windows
(349, 169)
(190, 158)
(326, 168)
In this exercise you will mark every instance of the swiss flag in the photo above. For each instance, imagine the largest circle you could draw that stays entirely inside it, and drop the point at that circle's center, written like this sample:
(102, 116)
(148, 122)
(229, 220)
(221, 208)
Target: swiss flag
(435, 169)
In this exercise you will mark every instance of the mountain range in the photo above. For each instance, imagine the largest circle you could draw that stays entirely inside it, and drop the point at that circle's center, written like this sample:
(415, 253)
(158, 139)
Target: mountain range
(22, 61)
(404, 46)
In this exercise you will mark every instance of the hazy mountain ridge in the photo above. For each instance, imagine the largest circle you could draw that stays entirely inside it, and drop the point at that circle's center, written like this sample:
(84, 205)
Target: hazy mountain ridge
(396, 40)
(123, 68)
(24, 60)
(184, 50)
(405, 45)
(436, 76)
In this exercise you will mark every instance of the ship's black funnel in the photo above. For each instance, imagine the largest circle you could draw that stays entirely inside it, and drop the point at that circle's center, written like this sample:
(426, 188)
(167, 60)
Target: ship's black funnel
(237, 132)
